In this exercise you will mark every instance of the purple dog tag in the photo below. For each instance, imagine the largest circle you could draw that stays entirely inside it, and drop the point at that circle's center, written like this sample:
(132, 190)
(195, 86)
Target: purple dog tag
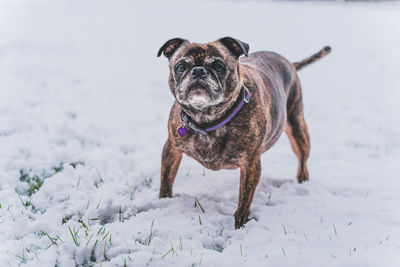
(182, 131)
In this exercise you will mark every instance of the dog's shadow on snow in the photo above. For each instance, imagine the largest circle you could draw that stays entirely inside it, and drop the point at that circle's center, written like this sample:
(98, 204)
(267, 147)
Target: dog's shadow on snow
(267, 184)
(224, 202)
(273, 182)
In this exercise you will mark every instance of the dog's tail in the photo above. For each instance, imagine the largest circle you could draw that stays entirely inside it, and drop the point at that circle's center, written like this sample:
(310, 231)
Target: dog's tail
(299, 65)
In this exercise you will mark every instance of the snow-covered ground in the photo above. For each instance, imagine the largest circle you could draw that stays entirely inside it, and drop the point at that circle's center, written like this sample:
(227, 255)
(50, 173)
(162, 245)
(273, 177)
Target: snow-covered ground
(84, 104)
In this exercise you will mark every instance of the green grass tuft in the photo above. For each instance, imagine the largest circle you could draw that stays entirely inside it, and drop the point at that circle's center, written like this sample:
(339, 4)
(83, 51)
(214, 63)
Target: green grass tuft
(53, 240)
(169, 251)
(197, 204)
(66, 218)
(34, 181)
(150, 237)
(74, 235)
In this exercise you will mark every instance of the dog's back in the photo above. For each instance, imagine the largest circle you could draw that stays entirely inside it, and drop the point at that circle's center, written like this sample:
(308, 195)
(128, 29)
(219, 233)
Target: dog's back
(273, 67)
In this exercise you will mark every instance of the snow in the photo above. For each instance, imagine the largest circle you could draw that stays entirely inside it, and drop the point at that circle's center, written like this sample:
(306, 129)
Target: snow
(84, 104)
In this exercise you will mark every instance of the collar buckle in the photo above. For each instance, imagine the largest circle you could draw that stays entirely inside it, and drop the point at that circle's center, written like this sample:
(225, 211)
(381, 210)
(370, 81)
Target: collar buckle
(246, 94)
(193, 125)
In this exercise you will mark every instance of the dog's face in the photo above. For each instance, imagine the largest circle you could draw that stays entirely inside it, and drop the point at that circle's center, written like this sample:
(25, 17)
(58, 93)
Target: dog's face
(203, 75)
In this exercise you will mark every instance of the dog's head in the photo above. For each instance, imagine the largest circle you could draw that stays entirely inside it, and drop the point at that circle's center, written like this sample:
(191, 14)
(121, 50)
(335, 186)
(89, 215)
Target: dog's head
(203, 75)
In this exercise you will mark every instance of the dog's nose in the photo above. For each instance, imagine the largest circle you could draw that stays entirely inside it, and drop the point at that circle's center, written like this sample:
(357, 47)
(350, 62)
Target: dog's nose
(199, 72)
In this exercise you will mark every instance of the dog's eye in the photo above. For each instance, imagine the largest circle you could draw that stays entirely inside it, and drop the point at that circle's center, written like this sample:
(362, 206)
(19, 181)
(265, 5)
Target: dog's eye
(219, 67)
(181, 68)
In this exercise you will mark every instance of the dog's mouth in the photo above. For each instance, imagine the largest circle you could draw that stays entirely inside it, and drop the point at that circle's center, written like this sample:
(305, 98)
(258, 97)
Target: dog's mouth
(198, 94)
(197, 89)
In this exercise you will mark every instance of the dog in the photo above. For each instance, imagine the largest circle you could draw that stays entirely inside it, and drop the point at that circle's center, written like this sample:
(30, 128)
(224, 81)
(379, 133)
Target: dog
(229, 109)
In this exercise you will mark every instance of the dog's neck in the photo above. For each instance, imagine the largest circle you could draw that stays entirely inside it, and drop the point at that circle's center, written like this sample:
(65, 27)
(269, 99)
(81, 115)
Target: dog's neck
(212, 114)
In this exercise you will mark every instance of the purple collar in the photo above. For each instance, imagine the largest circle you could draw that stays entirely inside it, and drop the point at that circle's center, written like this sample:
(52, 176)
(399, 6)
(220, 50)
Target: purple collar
(186, 120)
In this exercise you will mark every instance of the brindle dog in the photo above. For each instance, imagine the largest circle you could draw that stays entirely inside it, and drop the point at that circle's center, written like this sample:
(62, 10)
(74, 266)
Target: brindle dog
(206, 81)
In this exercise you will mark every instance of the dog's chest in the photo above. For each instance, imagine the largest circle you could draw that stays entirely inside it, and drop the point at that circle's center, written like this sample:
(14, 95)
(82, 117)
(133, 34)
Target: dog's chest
(215, 151)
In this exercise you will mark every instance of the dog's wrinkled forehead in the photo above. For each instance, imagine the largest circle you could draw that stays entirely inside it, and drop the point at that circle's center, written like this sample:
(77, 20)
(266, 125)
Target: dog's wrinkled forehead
(198, 54)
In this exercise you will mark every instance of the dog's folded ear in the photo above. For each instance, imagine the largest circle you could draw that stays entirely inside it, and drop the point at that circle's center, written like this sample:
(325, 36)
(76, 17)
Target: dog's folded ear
(236, 46)
(170, 47)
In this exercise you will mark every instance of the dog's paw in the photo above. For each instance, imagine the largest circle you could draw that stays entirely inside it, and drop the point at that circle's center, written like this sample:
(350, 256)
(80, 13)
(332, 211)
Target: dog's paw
(165, 193)
(240, 219)
(240, 222)
(303, 176)
(302, 179)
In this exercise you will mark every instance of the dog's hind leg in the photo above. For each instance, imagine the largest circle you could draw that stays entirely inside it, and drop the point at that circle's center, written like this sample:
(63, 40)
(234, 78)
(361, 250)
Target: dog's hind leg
(296, 130)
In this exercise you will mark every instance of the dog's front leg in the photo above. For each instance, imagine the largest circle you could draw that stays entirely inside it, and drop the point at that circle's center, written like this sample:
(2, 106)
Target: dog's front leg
(250, 174)
(171, 158)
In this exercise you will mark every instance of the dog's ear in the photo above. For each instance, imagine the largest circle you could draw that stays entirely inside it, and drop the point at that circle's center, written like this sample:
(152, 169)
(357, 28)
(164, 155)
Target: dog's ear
(236, 46)
(170, 47)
